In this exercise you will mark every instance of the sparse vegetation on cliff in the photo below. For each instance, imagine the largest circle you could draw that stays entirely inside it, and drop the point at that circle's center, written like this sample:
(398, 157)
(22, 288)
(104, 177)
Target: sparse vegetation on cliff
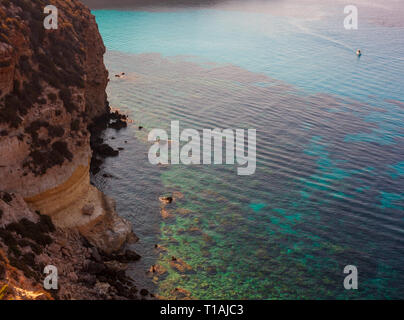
(25, 234)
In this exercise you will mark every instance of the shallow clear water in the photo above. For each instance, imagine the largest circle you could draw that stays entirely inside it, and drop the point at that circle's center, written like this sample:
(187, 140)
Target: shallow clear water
(328, 190)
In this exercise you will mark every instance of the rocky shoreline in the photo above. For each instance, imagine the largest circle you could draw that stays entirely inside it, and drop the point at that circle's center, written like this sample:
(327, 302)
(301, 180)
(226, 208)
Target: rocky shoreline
(85, 272)
(102, 150)
(29, 241)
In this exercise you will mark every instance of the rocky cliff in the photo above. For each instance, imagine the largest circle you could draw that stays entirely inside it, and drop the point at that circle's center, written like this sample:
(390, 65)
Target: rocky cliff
(52, 90)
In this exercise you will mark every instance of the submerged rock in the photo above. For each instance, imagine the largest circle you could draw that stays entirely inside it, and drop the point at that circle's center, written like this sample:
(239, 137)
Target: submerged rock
(118, 124)
(166, 200)
(105, 150)
(144, 292)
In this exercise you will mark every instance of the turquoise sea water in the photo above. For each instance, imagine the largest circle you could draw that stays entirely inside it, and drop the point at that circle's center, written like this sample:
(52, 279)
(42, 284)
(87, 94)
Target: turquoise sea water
(329, 186)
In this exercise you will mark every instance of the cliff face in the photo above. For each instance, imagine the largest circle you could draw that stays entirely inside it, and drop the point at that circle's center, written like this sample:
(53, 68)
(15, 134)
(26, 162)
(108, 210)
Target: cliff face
(52, 87)
(52, 91)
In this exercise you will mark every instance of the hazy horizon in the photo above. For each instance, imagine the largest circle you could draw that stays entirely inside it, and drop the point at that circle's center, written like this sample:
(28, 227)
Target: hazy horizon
(386, 13)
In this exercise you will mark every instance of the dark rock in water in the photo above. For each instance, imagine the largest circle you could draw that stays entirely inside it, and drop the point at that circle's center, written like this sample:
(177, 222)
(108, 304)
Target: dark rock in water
(95, 170)
(121, 276)
(121, 149)
(100, 149)
(166, 199)
(133, 290)
(131, 255)
(105, 150)
(117, 116)
(121, 289)
(98, 141)
(144, 292)
(118, 124)
(95, 165)
(126, 257)
(118, 121)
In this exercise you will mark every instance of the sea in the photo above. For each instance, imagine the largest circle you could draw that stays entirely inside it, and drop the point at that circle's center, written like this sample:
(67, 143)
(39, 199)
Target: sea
(328, 190)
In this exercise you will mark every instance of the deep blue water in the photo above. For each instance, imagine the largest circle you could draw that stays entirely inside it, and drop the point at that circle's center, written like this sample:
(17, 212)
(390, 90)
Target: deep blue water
(328, 190)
